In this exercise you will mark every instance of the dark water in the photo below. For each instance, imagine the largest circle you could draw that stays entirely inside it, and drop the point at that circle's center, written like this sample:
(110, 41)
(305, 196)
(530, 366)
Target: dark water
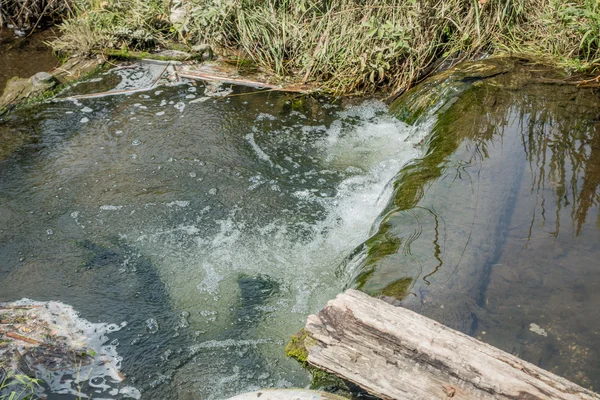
(23, 57)
(496, 231)
(221, 219)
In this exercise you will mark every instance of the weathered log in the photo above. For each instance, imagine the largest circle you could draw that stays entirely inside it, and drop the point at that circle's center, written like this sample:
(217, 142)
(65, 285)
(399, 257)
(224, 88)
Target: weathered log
(395, 353)
(287, 394)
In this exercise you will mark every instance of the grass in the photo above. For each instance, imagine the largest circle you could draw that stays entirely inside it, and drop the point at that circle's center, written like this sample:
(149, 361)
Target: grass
(346, 46)
(343, 46)
(17, 386)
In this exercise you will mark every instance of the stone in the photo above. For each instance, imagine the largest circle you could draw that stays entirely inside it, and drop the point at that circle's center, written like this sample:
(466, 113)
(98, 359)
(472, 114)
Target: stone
(176, 55)
(19, 89)
(205, 50)
(201, 48)
(42, 78)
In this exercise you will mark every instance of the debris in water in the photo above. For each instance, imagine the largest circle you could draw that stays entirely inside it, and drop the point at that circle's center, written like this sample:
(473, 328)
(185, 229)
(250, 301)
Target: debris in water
(151, 325)
(48, 341)
(535, 328)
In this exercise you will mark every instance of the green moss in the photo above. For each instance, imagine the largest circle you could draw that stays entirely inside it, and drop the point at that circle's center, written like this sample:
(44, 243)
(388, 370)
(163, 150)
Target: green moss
(325, 381)
(50, 93)
(397, 289)
(127, 55)
(296, 347)
(321, 380)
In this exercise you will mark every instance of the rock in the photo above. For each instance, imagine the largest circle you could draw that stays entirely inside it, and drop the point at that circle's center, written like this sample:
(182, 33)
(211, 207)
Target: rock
(178, 14)
(42, 78)
(18, 89)
(205, 50)
(175, 55)
(201, 48)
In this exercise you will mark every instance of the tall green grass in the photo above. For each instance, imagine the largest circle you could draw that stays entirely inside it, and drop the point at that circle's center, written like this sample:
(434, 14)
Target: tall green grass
(346, 46)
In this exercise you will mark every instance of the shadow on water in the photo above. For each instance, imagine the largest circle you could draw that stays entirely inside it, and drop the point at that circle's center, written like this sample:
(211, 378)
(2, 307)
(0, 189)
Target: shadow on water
(495, 232)
(213, 226)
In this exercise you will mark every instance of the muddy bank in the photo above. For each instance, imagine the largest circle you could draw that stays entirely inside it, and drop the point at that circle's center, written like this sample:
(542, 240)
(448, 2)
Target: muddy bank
(23, 57)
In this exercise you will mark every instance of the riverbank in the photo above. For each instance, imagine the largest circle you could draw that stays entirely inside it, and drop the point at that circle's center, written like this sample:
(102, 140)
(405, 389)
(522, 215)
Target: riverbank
(340, 45)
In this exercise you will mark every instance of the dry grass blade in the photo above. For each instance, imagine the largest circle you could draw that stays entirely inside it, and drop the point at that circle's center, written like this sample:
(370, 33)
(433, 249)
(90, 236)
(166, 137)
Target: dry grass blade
(345, 46)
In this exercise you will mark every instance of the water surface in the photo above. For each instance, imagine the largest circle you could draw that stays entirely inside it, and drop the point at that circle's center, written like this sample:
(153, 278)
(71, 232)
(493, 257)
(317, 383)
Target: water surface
(212, 225)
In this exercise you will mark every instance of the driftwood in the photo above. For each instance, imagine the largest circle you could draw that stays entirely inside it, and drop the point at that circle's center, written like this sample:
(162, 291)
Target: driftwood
(224, 73)
(287, 394)
(395, 353)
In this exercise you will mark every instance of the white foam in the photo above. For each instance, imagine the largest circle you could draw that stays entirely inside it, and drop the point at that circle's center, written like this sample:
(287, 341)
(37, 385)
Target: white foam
(180, 106)
(76, 333)
(259, 152)
(178, 203)
(110, 208)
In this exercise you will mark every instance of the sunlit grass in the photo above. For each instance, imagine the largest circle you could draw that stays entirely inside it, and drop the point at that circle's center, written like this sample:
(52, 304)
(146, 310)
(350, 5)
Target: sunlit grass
(344, 46)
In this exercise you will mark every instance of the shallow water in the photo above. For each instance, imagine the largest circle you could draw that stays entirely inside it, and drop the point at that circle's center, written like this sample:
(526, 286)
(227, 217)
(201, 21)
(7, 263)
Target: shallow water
(24, 57)
(211, 227)
(214, 225)
(495, 232)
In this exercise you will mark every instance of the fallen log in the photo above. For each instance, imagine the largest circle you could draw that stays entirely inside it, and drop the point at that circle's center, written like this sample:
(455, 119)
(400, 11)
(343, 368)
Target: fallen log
(222, 73)
(395, 353)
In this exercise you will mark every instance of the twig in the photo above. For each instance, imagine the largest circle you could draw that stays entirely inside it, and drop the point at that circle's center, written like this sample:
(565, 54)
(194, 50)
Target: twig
(16, 336)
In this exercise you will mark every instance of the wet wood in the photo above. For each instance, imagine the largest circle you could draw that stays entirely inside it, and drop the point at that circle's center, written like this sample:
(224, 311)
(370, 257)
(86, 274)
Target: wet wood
(223, 73)
(16, 336)
(395, 353)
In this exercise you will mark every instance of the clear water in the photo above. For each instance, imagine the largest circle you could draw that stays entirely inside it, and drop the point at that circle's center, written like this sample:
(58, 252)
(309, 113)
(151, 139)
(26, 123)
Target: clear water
(502, 239)
(213, 227)
(213, 220)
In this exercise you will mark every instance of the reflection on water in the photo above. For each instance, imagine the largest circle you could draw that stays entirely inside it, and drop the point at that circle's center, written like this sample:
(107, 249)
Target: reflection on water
(496, 230)
(548, 273)
(212, 226)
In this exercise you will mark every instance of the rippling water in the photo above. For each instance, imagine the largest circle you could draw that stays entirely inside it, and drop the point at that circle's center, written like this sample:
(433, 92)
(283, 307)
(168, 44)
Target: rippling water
(213, 220)
(212, 226)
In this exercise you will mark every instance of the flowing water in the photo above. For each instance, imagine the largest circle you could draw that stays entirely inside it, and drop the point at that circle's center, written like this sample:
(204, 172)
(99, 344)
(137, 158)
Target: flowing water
(495, 232)
(213, 225)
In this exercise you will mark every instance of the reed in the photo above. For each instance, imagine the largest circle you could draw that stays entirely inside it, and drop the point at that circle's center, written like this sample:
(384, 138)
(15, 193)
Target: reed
(346, 46)
(27, 14)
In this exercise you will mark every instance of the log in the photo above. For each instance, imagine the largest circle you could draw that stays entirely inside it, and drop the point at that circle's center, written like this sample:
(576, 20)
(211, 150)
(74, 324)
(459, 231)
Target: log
(395, 353)
(287, 394)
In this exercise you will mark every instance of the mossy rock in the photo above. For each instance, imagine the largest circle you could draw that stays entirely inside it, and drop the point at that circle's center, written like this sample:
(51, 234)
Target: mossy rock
(17, 89)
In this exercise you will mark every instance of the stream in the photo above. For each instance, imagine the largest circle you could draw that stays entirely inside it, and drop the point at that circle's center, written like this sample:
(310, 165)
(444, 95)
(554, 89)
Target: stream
(210, 221)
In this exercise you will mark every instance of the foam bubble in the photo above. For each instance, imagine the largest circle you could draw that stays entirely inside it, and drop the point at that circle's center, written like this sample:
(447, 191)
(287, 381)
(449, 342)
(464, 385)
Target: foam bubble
(73, 332)
(110, 208)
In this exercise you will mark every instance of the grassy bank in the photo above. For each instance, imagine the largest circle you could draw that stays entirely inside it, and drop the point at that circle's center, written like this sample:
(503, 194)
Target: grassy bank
(344, 45)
